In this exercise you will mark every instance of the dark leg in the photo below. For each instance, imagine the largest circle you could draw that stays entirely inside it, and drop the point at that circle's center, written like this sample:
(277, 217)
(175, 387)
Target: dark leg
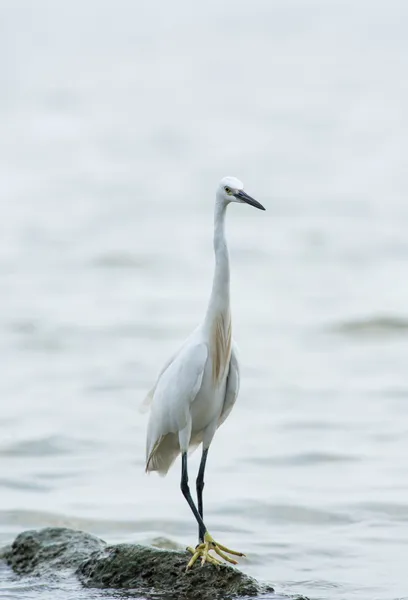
(208, 542)
(186, 493)
(200, 487)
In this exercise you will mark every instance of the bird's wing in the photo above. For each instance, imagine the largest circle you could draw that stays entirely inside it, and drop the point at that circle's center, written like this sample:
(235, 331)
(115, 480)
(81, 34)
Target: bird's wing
(145, 405)
(232, 388)
(175, 390)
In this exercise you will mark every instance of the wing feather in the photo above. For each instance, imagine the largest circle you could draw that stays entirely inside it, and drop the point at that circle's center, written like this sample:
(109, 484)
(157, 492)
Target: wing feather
(232, 389)
(145, 405)
(174, 392)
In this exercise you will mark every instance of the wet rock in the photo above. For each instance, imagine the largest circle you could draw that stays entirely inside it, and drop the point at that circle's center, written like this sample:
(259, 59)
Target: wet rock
(51, 549)
(143, 570)
(151, 569)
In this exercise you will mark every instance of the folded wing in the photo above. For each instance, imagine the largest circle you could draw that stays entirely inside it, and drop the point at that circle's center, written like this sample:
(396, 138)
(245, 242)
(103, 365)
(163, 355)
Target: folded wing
(175, 390)
(233, 381)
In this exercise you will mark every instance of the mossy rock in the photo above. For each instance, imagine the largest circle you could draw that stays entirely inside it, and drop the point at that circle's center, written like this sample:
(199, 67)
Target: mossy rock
(142, 570)
(51, 549)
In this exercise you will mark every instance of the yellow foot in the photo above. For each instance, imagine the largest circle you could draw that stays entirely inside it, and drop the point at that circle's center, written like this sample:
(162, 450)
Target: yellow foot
(203, 551)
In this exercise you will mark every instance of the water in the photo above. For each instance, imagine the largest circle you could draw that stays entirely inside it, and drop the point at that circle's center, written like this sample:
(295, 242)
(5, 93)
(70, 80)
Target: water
(118, 120)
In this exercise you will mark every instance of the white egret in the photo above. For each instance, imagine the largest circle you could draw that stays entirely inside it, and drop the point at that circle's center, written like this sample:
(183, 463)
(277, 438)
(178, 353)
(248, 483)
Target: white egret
(197, 388)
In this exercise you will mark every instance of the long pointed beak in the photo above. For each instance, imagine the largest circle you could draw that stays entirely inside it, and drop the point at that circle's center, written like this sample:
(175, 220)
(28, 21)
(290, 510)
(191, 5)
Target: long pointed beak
(245, 198)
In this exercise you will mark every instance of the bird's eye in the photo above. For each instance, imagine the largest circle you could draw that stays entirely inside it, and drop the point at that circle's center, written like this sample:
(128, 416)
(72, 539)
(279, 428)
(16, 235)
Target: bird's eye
(228, 190)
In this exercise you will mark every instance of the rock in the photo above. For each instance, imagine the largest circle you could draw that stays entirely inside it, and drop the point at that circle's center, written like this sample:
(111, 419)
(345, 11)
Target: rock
(51, 549)
(151, 569)
(143, 570)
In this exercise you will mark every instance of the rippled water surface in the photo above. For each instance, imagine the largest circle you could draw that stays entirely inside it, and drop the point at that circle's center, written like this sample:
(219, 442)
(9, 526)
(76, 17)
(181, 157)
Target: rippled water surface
(117, 121)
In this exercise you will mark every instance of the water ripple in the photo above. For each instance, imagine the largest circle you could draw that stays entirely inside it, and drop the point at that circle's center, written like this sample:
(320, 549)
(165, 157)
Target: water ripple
(303, 459)
(376, 327)
(44, 446)
(287, 513)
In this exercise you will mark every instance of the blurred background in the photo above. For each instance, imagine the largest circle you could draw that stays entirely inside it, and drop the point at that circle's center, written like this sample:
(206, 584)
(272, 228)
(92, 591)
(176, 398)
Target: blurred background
(117, 121)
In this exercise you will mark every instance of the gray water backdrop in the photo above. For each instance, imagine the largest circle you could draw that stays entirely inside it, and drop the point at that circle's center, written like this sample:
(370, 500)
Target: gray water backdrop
(117, 120)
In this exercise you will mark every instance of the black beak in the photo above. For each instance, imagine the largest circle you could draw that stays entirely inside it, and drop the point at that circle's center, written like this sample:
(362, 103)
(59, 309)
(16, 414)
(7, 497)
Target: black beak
(245, 198)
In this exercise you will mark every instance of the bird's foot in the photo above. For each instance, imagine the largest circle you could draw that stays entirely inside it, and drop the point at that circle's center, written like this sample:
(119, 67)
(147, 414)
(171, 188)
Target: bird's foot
(203, 551)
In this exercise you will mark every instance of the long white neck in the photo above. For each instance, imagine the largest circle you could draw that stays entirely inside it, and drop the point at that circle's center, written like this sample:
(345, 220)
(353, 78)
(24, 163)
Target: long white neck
(219, 304)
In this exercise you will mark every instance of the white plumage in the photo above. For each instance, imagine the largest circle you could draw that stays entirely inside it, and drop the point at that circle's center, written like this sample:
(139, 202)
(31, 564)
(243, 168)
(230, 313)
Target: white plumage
(197, 388)
(187, 407)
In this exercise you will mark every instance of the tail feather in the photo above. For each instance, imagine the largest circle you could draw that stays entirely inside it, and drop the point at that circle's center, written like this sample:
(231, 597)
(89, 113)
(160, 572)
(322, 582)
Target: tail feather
(164, 453)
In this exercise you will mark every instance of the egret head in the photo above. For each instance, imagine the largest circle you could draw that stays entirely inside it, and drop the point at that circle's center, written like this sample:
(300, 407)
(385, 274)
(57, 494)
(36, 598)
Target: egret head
(231, 189)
